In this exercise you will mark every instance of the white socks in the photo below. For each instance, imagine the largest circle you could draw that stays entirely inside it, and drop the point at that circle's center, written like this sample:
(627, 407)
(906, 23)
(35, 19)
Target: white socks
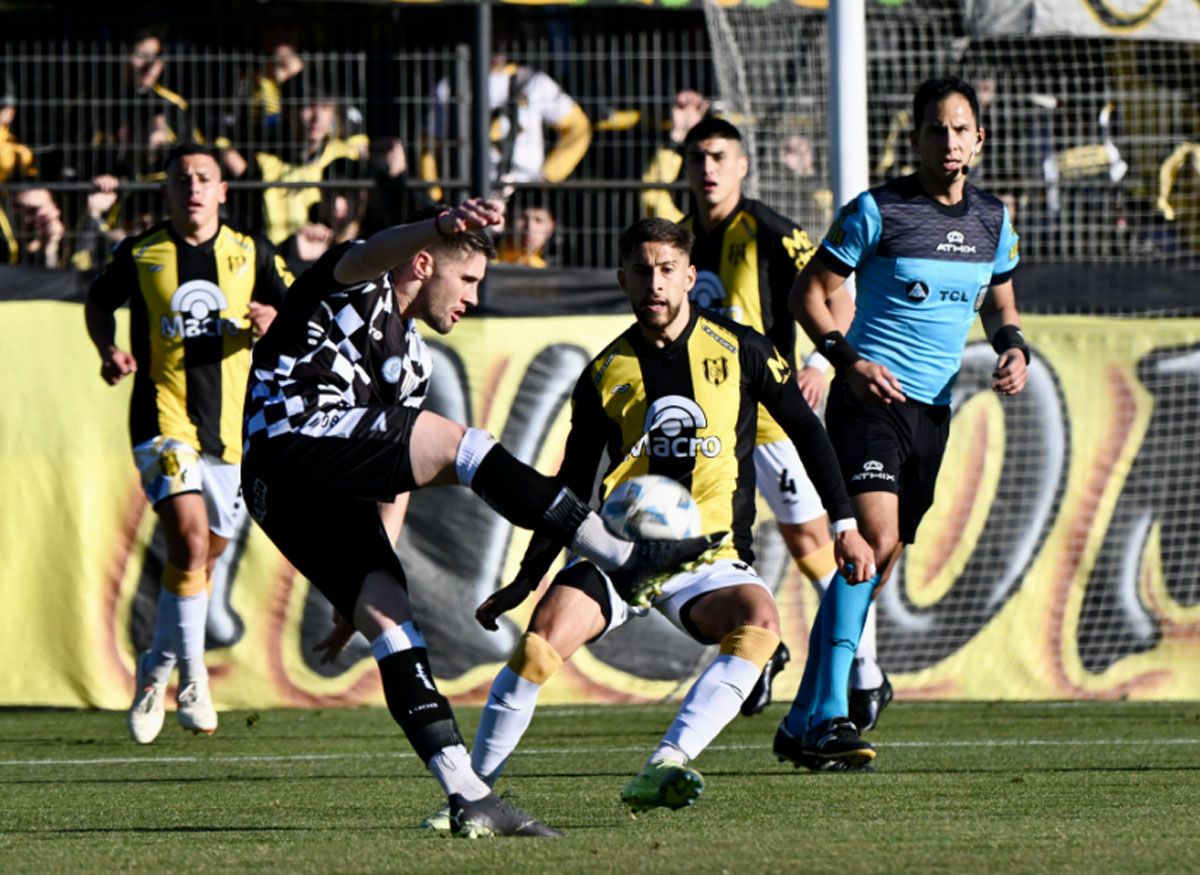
(711, 703)
(179, 634)
(506, 716)
(452, 768)
(593, 541)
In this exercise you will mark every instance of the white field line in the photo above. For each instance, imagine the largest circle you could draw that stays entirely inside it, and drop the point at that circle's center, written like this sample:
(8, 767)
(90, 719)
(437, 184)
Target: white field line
(574, 751)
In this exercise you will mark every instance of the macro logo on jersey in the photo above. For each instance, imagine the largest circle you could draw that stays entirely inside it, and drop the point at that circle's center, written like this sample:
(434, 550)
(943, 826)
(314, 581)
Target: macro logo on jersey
(956, 242)
(196, 309)
(716, 371)
(670, 431)
(709, 294)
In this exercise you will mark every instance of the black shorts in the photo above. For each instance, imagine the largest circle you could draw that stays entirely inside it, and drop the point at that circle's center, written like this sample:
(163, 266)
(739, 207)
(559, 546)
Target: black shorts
(895, 448)
(317, 500)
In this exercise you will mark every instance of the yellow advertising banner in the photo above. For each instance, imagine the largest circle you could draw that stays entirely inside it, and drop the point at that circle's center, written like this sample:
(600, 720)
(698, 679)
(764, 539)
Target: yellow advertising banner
(1058, 561)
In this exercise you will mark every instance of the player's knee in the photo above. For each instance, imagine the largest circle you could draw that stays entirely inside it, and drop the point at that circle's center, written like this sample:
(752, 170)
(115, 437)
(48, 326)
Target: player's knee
(535, 659)
(753, 643)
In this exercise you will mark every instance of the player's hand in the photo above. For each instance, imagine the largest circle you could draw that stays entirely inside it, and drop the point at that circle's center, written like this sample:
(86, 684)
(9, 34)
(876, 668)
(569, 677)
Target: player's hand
(116, 365)
(1011, 372)
(812, 385)
(873, 383)
(855, 558)
(261, 316)
(472, 215)
(335, 642)
(503, 600)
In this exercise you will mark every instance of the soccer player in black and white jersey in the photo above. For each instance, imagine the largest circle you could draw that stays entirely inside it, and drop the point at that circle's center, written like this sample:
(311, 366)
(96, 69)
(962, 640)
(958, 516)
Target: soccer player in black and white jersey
(676, 394)
(333, 427)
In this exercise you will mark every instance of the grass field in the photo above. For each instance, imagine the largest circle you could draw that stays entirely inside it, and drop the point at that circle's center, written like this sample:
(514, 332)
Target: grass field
(1111, 787)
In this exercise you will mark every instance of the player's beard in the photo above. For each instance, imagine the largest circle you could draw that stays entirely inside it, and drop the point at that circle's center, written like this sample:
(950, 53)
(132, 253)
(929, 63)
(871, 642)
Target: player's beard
(659, 320)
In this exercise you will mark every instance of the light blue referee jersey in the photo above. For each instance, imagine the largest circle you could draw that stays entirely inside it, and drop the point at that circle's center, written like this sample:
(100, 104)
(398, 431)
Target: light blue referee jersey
(922, 269)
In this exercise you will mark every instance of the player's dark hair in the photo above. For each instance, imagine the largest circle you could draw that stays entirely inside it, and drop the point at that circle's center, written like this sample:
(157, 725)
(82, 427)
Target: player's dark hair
(182, 151)
(654, 230)
(934, 90)
(463, 243)
(711, 127)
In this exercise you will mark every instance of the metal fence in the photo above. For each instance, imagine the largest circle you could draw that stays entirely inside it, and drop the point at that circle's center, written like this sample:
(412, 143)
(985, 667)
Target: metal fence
(1089, 138)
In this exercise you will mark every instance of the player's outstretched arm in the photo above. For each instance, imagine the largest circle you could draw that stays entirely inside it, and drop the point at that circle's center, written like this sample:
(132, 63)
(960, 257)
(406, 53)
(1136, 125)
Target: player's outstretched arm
(1002, 325)
(394, 246)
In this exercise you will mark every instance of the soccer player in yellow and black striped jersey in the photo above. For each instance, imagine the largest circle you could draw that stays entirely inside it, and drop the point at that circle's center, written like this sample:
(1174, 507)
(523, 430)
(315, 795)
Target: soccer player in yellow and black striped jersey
(676, 394)
(747, 257)
(198, 291)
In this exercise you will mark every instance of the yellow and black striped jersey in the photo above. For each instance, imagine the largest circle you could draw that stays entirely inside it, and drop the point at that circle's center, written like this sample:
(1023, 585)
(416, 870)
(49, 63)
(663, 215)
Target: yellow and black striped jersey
(189, 331)
(745, 266)
(688, 411)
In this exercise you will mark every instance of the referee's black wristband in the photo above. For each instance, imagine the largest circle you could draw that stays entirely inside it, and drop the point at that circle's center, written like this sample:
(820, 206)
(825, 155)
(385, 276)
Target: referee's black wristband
(1010, 337)
(835, 347)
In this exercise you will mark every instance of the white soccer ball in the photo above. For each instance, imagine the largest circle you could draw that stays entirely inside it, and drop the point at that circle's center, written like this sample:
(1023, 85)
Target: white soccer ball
(651, 506)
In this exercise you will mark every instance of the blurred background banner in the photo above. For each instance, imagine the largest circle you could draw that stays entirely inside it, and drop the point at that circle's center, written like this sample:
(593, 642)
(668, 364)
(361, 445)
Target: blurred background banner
(1139, 19)
(1059, 560)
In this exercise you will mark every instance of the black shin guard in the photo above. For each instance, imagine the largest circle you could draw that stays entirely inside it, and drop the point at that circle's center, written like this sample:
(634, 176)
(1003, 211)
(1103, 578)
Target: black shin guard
(422, 712)
(526, 498)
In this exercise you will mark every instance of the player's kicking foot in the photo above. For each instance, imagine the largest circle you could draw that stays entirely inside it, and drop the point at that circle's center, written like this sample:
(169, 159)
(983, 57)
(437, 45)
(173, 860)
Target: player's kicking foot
(663, 785)
(493, 816)
(146, 713)
(867, 705)
(653, 562)
(760, 694)
(195, 707)
(838, 741)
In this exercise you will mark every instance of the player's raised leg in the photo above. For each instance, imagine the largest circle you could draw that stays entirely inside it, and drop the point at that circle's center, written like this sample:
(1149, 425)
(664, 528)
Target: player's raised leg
(445, 452)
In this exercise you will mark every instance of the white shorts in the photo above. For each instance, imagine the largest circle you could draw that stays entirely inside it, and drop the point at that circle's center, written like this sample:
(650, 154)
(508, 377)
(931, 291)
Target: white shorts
(681, 589)
(172, 467)
(784, 483)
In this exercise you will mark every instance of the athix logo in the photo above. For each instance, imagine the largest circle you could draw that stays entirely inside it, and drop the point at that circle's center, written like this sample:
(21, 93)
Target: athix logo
(196, 309)
(670, 431)
(955, 243)
(873, 470)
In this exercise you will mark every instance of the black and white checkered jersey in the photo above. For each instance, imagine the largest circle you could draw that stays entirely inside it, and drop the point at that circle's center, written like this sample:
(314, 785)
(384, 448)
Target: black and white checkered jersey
(333, 358)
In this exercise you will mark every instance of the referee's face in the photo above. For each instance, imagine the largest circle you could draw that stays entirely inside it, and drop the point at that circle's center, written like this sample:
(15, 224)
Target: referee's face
(715, 169)
(657, 277)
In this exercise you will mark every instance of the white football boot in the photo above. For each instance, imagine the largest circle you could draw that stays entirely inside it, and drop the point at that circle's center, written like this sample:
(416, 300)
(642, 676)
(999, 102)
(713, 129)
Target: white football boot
(195, 707)
(146, 712)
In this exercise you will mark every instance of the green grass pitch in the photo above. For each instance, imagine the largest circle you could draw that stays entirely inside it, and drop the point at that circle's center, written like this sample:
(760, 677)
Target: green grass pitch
(1100, 787)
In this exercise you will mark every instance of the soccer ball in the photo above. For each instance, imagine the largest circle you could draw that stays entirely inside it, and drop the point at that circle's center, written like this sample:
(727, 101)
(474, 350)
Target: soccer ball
(651, 506)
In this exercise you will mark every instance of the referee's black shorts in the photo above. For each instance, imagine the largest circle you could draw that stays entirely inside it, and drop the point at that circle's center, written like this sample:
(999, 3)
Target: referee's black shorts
(895, 448)
(317, 500)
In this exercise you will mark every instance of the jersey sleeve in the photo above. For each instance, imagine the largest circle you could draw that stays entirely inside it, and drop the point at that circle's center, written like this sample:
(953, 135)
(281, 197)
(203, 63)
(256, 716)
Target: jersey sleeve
(1007, 251)
(581, 458)
(273, 278)
(548, 97)
(117, 281)
(855, 232)
(772, 383)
